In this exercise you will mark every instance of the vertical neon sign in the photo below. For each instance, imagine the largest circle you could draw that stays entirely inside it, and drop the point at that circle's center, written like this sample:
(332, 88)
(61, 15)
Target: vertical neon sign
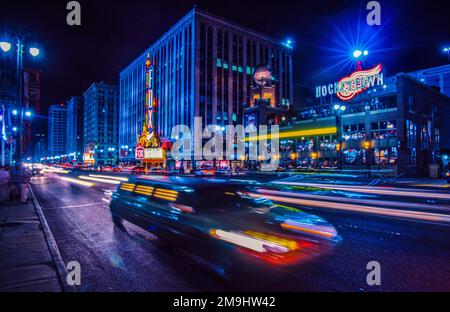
(149, 100)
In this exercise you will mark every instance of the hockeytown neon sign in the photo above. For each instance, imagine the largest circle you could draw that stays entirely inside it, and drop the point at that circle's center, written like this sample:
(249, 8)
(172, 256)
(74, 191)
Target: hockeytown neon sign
(357, 82)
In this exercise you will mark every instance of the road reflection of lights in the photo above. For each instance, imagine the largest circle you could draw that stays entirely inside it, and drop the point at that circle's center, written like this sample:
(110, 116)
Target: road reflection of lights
(54, 170)
(408, 214)
(355, 200)
(247, 241)
(77, 181)
(124, 179)
(100, 180)
(373, 190)
(319, 230)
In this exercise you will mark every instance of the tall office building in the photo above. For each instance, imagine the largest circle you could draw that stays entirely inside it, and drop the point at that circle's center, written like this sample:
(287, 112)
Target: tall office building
(75, 118)
(57, 122)
(203, 67)
(101, 122)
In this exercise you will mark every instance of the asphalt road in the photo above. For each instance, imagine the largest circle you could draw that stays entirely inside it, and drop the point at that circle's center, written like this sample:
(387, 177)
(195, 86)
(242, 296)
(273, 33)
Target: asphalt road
(414, 256)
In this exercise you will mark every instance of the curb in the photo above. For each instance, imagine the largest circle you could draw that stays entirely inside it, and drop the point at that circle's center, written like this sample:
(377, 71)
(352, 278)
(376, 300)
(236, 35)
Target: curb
(52, 246)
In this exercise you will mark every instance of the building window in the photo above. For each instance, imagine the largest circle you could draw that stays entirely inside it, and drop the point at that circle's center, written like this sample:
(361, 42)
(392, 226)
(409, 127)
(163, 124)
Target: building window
(411, 134)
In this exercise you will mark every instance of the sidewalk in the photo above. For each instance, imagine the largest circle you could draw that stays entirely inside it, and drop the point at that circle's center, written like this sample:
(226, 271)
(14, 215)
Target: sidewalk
(26, 261)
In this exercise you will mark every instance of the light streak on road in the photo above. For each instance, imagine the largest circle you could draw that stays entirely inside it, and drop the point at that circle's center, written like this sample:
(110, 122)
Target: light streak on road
(373, 190)
(99, 180)
(77, 181)
(408, 214)
(124, 179)
(54, 170)
(356, 200)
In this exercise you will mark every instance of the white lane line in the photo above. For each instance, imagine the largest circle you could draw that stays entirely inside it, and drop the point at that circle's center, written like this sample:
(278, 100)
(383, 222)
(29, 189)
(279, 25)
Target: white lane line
(73, 206)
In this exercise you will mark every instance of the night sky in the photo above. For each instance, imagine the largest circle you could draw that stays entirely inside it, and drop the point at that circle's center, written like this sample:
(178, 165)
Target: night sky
(113, 33)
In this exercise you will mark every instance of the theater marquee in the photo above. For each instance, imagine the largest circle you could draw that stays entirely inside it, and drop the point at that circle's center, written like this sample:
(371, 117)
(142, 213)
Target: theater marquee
(348, 87)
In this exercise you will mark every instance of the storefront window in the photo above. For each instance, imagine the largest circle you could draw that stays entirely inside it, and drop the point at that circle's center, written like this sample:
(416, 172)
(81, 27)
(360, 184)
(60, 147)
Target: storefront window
(385, 156)
(354, 156)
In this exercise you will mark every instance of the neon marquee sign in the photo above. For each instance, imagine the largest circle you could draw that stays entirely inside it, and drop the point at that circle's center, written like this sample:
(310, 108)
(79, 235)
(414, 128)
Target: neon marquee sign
(350, 86)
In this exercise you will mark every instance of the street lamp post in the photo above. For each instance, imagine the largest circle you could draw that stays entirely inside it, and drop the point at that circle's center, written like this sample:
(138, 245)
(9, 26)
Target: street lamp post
(339, 109)
(447, 50)
(367, 147)
(357, 54)
(6, 46)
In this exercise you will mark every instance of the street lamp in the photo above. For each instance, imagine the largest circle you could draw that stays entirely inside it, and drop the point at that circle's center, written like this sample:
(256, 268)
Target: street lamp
(447, 50)
(367, 145)
(6, 46)
(339, 109)
(357, 54)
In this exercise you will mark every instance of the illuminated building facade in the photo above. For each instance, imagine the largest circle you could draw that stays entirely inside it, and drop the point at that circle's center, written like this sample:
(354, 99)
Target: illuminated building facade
(398, 126)
(57, 122)
(203, 67)
(75, 127)
(101, 122)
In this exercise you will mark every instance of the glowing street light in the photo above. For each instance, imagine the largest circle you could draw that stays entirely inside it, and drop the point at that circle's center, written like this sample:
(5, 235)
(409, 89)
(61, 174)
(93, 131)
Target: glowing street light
(339, 110)
(34, 51)
(447, 50)
(338, 107)
(5, 46)
(357, 53)
(288, 43)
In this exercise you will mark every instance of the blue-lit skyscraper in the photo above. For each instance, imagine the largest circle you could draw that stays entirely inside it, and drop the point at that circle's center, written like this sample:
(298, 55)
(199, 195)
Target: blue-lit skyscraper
(203, 67)
(57, 123)
(75, 127)
(101, 122)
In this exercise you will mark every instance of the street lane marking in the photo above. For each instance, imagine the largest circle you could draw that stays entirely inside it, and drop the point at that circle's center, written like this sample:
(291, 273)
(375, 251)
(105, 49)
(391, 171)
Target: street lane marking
(73, 206)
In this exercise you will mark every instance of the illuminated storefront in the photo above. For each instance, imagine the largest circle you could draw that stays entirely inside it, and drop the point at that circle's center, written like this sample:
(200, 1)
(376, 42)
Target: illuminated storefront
(393, 126)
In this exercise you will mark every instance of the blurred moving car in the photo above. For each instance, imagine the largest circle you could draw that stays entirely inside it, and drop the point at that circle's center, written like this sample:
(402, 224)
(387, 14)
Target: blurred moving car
(139, 170)
(227, 223)
(205, 171)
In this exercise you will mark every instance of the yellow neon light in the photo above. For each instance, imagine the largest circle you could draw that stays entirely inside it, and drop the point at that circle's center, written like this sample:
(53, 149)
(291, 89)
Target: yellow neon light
(296, 133)
(165, 197)
(143, 192)
(127, 187)
(145, 187)
(166, 191)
